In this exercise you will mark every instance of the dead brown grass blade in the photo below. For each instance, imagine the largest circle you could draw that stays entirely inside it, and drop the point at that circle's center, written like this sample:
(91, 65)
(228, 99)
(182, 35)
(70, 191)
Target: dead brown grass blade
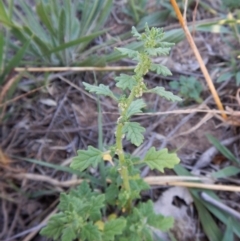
(199, 58)
(77, 69)
(218, 187)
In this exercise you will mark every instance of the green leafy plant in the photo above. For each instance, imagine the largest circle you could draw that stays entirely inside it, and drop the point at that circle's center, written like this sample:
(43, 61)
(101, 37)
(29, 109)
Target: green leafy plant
(59, 35)
(83, 212)
(189, 88)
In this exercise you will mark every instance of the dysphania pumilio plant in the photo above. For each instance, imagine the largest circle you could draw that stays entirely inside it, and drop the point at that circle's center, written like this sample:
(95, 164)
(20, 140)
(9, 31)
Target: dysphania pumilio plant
(117, 212)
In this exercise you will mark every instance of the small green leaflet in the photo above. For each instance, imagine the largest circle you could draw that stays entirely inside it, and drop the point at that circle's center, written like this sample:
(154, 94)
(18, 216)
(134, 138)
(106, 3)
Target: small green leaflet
(99, 90)
(166, 44)
(64, 201)
(112, 228)
(111, 193)
(82, 191)
(155, 220)
(68, 234)
(90, 232)
(136, 34)
(160, 69)
(163, 93)
(54, 227)
(137, 186)
(134, 132)
(135, 107)
(86, 158)
(158, 51)
(95, 204)
(130, 53)
(160, 159)
(125, 81)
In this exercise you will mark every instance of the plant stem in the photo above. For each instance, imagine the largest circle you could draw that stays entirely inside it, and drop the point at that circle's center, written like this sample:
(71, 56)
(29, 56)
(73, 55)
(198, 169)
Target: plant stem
(123, 165)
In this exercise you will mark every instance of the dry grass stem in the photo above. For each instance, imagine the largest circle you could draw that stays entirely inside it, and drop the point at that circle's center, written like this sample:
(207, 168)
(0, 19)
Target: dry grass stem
(76, 69)
(217, 187)
(199, 58)
(43, 178)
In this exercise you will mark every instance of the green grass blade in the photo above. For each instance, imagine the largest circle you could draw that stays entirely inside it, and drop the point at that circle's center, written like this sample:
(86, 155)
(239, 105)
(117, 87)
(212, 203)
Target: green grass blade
(45, 19)
(181, 171)
(62, 27)
(209, 226)
(224, 150)
(69, 13)
(30, 20)
(223, 217)
(61, 168)
(78, 41)
(2, 44)
(153, 18)
(226, 172)
(42, 46)
(4, 16)
(16, 59)
(228, 235)
(104, 13)
(92, 60)
(89, 10)
(19, 34)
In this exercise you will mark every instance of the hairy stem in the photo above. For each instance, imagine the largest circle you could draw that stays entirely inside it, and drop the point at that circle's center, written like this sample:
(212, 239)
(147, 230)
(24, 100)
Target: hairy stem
(123, 165)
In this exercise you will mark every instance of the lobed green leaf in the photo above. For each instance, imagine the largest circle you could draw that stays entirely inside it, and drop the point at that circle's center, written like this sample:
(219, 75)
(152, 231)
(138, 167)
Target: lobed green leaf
(86, 158)
(163, 93)
(83, 191)
(155, 220)
(136, 34)
(135, 107)
(90, 232)
(134, 132)
(111, 193)
(160, 69)
(125, 81)
(113, 228)
(160, 159)
(99, 90)
(68, 234)
(95, 204)
(158, 51)
(54, 227)
(130, 53)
